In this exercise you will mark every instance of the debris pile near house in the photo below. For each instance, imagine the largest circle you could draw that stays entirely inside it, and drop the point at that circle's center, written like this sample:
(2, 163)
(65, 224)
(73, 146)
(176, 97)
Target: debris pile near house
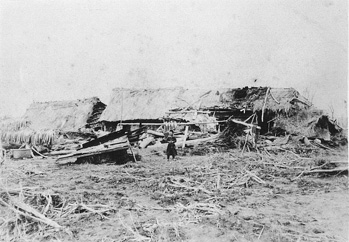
(111, 147)
(246, 118)
(52, 126)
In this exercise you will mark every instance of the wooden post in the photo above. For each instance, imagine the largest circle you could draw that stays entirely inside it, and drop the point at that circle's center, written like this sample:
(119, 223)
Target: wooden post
(185, 136)
(265, 102)
(129, 145)
(122, 105)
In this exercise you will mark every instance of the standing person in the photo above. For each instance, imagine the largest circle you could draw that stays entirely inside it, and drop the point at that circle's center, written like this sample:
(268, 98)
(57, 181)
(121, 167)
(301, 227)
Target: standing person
(171, 147)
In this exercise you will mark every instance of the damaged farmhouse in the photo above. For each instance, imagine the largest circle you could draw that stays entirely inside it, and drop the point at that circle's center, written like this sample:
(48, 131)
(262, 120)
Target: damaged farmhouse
(174, 121)
(225, 145)
(193, 113)
(90, 131)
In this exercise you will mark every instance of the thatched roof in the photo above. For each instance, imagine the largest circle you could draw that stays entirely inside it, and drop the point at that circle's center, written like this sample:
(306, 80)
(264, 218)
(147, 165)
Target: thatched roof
(278, 99)
(146, 104)
(12, 124)
(63, 115)
(135, 104)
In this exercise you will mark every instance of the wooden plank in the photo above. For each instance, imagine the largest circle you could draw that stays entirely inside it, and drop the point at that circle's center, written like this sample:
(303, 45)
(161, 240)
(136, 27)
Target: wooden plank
(112, 136)
(102, 152)
(95, 151)
(190, 111)
(159, 134)
(104, 139)
(246, 124)
(189, 123)
(338, 169)
(189, 142)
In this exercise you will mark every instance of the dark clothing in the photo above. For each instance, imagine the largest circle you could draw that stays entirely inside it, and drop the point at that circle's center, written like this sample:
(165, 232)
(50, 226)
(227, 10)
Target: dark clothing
(171, 147)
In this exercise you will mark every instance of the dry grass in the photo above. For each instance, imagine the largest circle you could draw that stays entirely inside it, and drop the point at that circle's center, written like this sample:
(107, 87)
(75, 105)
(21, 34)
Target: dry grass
(216, 197)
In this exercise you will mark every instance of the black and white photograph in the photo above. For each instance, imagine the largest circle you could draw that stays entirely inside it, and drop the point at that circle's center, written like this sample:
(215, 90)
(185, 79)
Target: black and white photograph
(174, 121)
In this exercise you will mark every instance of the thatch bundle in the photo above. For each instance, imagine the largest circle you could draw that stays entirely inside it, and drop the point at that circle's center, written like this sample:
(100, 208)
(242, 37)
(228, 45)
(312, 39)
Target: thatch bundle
(29, 136)
(10, 124)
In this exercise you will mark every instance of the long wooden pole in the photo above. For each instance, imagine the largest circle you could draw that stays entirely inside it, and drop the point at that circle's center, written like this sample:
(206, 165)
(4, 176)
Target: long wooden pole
(129, 145)
(265, 101)
(190, 111)
(159, 124)
(122, 105)
(185, 136)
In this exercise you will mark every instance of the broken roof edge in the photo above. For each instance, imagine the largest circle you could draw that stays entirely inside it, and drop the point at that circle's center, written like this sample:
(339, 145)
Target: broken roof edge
(152, 103)
(69, 100)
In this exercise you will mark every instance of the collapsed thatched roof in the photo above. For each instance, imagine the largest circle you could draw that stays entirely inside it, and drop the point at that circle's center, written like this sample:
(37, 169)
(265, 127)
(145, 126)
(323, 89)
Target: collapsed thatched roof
(145, 104)
(135, 104)
(63, 115)
(253, 98)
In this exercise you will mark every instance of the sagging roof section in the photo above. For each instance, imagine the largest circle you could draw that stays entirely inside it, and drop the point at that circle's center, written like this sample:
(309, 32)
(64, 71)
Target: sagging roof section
(64, 115)
(137, 104)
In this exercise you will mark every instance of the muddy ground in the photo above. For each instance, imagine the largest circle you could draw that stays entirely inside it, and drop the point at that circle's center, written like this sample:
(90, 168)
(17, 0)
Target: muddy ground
(217, 197)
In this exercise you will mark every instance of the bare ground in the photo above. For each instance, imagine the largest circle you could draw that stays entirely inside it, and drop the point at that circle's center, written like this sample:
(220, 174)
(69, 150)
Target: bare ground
(218, 197)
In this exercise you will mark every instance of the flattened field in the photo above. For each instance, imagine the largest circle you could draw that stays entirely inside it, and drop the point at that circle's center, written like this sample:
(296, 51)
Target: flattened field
(218, 197)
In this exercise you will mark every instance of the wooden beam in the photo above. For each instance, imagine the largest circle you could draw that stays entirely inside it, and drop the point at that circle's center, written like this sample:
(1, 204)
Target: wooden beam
(246, 124)
(104, 139)
(265, 102)
(159, 124)
(185, 136)
(95, 151)
(190, 111)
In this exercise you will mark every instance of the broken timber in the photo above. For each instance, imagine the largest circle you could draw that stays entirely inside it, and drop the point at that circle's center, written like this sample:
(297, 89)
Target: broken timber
(110, 143)
(246, 124)
(96, 151)
(104, 139)
(189, 123)
(132, 136)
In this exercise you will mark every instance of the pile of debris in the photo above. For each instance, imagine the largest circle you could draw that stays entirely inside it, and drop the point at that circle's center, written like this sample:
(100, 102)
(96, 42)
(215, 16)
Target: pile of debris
(247, 118)
(111, 147)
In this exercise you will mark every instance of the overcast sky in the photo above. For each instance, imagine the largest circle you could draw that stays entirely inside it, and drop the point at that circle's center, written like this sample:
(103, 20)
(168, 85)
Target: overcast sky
(56, 50)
